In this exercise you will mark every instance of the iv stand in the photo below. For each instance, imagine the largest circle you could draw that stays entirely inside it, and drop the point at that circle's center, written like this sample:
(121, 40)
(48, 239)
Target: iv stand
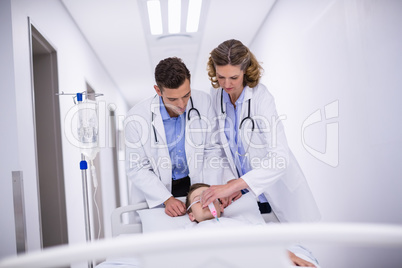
(83, 168)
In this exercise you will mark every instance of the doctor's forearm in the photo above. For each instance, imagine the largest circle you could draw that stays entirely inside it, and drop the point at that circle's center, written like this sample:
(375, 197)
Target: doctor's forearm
(260, 180)
(237, 185)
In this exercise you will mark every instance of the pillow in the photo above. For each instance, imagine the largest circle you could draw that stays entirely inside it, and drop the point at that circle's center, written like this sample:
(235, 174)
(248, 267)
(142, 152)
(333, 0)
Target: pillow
(155, 219)
(244, 209)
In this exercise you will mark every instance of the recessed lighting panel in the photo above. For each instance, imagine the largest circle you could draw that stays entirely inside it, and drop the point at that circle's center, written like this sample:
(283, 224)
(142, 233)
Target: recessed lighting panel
(155, 17)
(193, 15)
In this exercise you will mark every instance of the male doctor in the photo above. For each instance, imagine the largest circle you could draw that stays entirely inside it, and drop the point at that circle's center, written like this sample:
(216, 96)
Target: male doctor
(170, 141)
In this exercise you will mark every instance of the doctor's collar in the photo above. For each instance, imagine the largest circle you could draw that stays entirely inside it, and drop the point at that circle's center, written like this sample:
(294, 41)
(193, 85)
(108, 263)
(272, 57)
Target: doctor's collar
(226, 97)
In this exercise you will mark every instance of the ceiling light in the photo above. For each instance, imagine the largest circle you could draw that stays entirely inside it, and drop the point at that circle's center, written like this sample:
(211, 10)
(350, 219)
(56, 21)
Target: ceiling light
(174, 16)
(193, 15)
(155, 17)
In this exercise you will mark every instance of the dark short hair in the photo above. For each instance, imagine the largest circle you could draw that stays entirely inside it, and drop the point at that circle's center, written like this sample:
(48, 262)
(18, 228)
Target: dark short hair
(194, 187)
(171, 73)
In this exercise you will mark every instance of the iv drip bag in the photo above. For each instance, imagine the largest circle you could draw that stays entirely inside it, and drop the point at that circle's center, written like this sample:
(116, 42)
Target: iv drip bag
(87, 128)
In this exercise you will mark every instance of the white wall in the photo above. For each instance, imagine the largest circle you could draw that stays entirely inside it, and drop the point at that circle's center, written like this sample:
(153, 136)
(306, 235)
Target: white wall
(9, 160)
(77, 64)
(317, 52)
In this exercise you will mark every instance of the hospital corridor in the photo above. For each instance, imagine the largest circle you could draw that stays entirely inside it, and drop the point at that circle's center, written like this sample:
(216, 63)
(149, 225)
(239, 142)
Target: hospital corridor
(201, 133)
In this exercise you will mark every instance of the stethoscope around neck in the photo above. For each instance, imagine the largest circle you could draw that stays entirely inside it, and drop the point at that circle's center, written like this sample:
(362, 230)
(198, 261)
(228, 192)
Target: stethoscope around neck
(192, 109)
(248, 117)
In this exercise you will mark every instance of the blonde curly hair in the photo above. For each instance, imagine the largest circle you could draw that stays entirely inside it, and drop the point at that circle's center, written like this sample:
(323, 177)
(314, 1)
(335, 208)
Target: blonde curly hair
(233, 52)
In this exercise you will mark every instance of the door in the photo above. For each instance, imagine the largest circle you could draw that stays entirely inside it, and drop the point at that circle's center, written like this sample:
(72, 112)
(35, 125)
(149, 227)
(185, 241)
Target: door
(49, 156)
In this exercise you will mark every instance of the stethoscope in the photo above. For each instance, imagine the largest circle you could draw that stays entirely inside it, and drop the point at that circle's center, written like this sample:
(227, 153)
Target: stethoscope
(192, 109)
(248, 117)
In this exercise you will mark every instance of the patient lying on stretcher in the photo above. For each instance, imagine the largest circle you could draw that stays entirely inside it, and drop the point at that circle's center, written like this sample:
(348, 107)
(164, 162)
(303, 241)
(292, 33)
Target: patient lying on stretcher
(204, 216)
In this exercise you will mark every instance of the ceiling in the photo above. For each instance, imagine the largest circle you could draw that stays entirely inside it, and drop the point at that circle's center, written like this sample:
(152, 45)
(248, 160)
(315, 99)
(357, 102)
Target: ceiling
(118, 32)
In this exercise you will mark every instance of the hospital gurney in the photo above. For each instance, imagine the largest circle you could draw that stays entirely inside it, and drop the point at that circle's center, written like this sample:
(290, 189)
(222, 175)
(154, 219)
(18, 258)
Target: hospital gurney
(262, 244)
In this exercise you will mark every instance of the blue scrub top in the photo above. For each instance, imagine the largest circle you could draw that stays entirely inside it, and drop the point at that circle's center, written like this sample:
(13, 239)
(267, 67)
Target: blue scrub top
(232, 133)
(175, 137)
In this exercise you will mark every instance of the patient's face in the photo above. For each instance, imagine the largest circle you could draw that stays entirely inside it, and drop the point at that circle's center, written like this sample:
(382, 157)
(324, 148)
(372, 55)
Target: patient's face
(198, 213)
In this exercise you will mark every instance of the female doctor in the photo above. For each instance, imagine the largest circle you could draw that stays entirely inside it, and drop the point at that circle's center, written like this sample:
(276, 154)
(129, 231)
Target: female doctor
(253, 138)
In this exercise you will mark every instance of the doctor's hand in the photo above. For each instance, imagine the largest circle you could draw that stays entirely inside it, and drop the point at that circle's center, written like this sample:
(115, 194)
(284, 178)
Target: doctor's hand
(226, 201)
(226, 192)
(174, 207)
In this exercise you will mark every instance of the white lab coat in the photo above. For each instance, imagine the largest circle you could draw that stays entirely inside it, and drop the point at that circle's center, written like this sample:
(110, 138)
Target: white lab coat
(275, 171)
(148, 164)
